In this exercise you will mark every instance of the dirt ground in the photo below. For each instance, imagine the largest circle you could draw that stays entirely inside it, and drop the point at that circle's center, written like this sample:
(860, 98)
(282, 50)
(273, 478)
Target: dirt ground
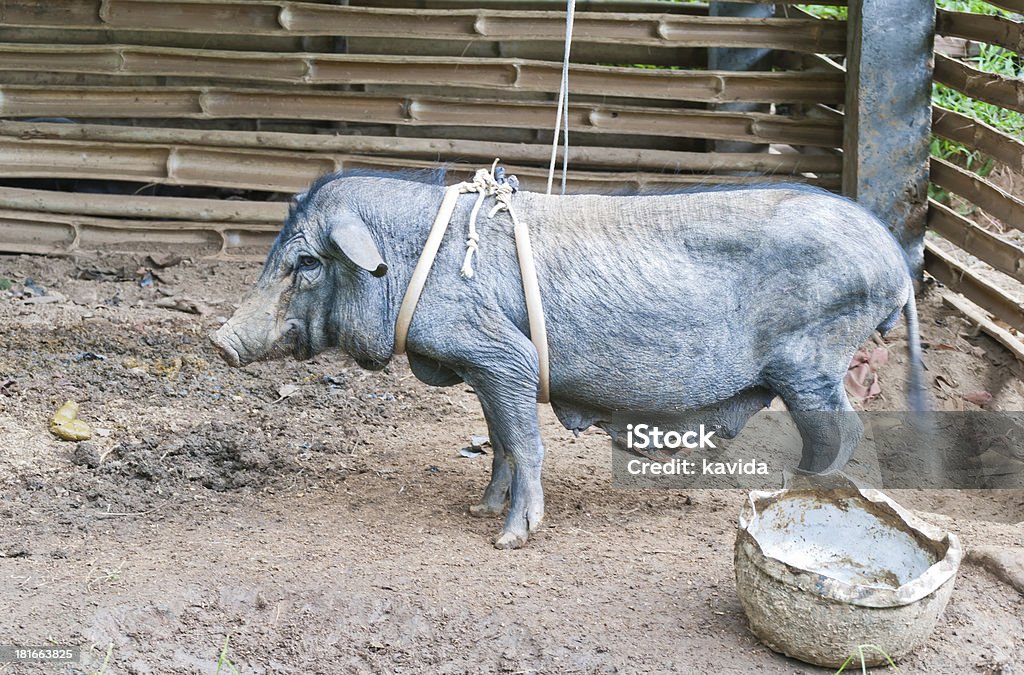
(322, 527)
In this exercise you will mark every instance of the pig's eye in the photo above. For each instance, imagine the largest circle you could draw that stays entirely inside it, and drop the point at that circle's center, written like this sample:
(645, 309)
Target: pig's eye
(307, 263)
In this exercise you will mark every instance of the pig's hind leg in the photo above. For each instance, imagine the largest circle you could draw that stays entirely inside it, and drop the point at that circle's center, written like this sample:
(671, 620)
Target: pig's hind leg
(829, 427)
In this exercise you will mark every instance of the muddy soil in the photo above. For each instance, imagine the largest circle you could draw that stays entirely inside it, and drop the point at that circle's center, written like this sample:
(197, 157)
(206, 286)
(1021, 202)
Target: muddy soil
(312, 517)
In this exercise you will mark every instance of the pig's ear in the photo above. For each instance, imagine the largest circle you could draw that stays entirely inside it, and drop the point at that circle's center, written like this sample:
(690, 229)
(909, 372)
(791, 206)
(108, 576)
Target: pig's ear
(353, 239)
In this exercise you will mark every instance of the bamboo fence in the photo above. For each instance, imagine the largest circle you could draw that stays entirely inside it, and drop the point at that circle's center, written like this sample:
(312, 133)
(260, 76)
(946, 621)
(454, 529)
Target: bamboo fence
(988, 302)
(193, 98)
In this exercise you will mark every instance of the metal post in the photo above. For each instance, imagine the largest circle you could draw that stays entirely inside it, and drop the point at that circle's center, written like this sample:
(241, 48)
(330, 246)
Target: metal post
(728, 58)
(888, 114)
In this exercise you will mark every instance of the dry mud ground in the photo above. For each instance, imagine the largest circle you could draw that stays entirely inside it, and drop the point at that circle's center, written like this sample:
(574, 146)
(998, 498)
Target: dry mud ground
(326, 532)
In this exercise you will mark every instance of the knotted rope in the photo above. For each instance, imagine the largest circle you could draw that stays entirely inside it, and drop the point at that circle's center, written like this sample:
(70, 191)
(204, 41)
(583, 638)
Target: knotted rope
(485, 183)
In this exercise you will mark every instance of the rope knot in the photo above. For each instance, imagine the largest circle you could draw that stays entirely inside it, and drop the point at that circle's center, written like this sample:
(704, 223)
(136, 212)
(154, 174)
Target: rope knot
(486, 183)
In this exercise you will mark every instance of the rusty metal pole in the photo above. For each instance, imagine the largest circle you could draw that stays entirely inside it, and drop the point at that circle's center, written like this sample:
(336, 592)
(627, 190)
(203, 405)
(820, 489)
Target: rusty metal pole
(888, 114)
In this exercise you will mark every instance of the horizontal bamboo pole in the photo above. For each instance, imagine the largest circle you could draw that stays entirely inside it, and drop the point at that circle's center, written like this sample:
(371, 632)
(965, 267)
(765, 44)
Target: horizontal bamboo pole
(266, 17)
(57, 35)
(958, 278)
(641, 6)
(63, 234)
(994, 30)
(284, 171)
(143, 206)
(487, 73)
(979, 136)
(998, 252)
(225, 103)
(552, 50)
(807, 35)
(535, 50)
(957, 48)
(983, 320)
(433, 149)
(975, 189)
(164, 165)
(1002, 91)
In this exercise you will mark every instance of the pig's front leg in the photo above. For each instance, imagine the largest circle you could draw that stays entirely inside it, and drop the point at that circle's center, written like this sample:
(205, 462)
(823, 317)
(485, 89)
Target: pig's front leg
(504, 376)
(516, 426)
(496, 494)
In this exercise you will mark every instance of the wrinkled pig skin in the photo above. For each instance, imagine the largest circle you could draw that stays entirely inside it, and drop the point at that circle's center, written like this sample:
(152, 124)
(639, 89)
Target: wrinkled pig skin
(689, 307)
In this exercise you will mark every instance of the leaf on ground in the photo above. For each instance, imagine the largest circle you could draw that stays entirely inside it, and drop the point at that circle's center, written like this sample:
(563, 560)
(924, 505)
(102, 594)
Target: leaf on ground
(861, 379)
(181, 304)
(979, 398)
(286, 391)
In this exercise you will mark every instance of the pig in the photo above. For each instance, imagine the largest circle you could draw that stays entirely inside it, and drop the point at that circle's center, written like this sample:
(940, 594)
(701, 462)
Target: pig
(699, 305)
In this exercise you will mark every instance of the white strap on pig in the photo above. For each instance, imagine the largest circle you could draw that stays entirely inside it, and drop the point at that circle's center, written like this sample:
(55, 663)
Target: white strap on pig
(484, 184)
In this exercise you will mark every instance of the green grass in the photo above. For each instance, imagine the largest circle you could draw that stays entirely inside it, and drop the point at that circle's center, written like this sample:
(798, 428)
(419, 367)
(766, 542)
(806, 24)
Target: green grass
(972, 6)
(224, 661)
(860, 653)
(825, 11)
(992, 59)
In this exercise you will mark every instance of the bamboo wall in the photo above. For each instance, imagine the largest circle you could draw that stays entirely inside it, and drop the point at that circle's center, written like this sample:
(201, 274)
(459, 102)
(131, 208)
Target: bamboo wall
(991, 304)
(195, 100)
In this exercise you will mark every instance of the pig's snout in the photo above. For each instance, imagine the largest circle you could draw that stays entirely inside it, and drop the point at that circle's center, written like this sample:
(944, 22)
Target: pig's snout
(221, 339)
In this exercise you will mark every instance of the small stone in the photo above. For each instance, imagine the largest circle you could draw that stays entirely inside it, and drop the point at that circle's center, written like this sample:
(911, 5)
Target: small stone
(1006, 563)
(84, 295)
(52, 298)
(86, 455)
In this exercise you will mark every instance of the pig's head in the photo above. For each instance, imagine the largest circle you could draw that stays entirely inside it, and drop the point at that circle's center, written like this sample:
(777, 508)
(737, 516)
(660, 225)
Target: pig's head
(322, 286)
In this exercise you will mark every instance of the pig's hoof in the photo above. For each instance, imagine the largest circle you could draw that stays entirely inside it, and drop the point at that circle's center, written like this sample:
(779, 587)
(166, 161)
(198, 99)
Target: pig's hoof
(508, 540)
(483, 510)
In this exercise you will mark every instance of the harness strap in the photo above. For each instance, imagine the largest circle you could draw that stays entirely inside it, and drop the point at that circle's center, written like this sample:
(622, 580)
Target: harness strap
(534, 307)
(484, 184)
(423, 265)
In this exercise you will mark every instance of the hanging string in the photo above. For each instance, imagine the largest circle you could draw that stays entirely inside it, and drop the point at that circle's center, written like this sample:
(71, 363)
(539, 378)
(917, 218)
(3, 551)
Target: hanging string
(562, 115)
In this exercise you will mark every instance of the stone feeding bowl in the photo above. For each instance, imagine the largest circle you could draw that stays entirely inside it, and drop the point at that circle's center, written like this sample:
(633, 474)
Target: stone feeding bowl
(822, 573)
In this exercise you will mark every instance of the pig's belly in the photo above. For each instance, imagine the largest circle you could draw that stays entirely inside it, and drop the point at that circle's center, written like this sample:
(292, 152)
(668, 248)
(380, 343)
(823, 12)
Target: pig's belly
(643, 379)
(726, 416)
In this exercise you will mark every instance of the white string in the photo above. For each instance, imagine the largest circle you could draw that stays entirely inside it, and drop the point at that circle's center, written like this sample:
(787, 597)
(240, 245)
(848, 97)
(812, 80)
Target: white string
(472, 238)
(563, 104)
(484, 184)
(565, 134)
